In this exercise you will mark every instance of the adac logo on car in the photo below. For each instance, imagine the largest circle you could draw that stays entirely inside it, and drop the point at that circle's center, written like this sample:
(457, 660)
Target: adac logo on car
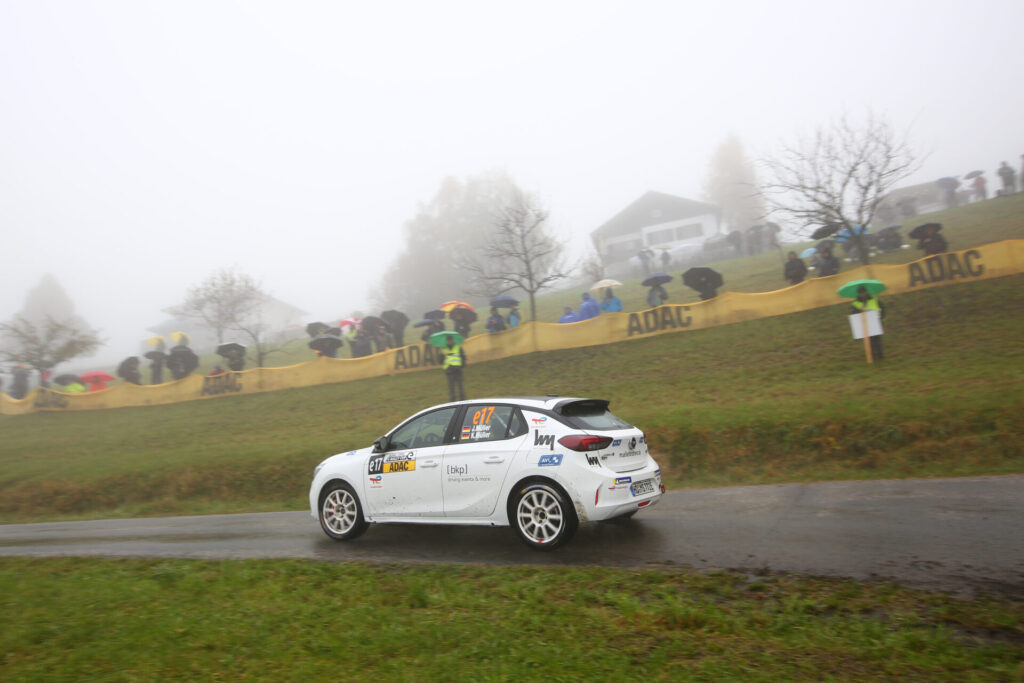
(400, 462)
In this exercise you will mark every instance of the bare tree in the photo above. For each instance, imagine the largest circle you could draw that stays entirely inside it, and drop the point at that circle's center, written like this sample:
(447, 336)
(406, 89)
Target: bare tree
(838, 177)
(222, 301)
(520, 254)
(46, 344)
(255, 330)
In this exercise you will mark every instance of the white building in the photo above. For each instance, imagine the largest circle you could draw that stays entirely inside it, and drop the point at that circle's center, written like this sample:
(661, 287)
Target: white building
(656, 221)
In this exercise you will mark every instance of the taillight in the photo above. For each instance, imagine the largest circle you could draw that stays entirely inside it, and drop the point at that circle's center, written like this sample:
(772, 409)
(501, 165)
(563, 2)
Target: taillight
(584, 442)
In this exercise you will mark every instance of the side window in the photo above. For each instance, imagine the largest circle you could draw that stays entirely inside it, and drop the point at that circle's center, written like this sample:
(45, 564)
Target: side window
(490, 423)
(425, 430)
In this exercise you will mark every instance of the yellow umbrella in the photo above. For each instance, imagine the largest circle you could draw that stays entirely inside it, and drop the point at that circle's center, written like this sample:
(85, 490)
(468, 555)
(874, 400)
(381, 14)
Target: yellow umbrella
(155, 341)
(179, 337)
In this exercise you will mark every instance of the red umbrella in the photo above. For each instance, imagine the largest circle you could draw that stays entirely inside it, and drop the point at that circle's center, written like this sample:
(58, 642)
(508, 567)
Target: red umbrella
(97, 378)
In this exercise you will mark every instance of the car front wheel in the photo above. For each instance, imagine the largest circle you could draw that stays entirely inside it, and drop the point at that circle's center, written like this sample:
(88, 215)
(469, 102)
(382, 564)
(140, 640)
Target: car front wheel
(542, 516)
(341, 515)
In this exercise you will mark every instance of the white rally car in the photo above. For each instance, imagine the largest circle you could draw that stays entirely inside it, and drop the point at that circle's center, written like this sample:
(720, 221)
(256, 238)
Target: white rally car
(541, 465)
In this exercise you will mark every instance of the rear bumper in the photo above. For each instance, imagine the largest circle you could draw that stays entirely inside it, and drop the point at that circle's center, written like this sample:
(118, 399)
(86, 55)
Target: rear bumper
(613, 495)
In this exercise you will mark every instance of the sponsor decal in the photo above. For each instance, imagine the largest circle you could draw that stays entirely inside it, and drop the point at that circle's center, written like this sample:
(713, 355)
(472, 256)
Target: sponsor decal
(946, 268)
(351, 453)
(417, 357)
(550, 460)
(643, 439)
(623, 480)
(221, 384)
(616, 442)
(457, 470)
(539, 422)
(375, 482)
(658, 319)
(392, 462)
(593, 460)
(544, 440)
(632, 444)
(401, 466)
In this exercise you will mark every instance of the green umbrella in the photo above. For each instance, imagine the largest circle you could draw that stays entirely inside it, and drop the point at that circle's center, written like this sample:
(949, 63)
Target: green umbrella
(440, 338)
(849, 290)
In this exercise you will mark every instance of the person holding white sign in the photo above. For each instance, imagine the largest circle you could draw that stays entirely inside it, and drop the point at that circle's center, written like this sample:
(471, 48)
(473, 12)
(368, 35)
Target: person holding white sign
(866, 302)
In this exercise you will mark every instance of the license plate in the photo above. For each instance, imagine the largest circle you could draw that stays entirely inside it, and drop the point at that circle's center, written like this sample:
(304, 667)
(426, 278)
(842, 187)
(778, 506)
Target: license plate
(642, 487)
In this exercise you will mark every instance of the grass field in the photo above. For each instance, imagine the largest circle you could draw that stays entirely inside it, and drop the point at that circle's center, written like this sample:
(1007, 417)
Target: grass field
(780, 399)
(126, 620)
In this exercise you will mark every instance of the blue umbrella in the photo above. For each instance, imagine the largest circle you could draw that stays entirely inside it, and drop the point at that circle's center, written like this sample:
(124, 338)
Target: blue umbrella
(808, 252)
(655, 279)
(425, 322)
(504, 301)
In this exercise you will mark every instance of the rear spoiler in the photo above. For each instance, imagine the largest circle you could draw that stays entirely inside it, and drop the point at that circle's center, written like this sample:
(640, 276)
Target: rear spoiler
(580, 406)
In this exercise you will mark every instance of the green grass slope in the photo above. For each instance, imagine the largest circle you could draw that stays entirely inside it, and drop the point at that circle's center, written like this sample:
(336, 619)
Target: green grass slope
(779, 399)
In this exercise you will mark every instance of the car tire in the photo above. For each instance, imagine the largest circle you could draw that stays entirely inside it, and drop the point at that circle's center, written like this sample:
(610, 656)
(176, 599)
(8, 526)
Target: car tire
(542, 515)
(341, 513)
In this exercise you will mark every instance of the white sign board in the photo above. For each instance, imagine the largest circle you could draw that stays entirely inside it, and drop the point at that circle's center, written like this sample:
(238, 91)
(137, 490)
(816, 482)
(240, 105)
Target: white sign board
(874, 324)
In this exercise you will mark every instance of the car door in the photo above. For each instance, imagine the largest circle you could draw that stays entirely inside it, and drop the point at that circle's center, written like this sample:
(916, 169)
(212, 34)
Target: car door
(405, 479)
(485, 443)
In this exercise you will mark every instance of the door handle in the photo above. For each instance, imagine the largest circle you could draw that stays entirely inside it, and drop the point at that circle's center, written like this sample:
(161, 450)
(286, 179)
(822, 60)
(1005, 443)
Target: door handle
(428, 463)
(494, 459)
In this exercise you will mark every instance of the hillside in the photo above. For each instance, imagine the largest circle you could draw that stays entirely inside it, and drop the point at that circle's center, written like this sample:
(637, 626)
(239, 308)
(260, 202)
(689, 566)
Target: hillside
(780, 399)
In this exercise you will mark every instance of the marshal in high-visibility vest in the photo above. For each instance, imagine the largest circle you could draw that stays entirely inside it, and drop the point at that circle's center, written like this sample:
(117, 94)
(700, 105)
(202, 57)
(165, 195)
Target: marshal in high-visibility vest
(453, 356)
(866, 302)
(454, 359)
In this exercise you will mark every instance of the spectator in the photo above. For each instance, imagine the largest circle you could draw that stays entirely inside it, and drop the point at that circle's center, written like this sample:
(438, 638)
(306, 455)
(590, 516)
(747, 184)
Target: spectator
(980, 191)
(1009, 178)
(495, 323)
(656, 296)
(589, 308)
(610, 303)
(933, 243)
(569, 316)
(514, 318)
(829, 264)
(795, 270)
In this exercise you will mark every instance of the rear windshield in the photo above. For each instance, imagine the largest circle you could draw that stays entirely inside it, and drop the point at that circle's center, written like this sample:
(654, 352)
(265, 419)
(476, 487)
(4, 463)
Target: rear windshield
(592, 415)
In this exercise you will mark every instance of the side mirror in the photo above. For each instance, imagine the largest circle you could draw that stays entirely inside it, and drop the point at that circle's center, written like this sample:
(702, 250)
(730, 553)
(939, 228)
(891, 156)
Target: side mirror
(380, 444)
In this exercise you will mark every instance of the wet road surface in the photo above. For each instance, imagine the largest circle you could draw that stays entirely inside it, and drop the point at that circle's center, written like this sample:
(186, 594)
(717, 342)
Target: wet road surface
(951, 534)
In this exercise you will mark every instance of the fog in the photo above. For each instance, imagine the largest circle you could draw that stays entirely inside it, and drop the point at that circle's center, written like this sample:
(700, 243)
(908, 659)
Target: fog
(144, 145)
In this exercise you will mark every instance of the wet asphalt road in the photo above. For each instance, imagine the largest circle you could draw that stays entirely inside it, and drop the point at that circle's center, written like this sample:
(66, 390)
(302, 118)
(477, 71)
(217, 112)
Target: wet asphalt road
(963, 535)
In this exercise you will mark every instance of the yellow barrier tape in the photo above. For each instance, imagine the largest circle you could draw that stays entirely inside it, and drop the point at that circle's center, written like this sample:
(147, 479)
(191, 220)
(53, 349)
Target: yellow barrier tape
(988, 261)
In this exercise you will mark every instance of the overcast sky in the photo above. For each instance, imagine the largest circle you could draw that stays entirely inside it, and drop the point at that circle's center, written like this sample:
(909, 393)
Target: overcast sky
(145, 144)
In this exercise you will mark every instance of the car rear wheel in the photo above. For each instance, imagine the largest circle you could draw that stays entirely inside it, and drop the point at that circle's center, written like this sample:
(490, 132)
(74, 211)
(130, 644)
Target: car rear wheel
(542, 516)
(341, 515)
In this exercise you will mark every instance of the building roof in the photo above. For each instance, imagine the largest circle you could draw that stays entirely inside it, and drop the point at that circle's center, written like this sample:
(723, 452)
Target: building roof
(651, 209)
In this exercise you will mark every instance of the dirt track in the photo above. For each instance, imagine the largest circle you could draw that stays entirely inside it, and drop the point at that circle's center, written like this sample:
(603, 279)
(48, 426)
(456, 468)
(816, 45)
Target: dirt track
(962, 535)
